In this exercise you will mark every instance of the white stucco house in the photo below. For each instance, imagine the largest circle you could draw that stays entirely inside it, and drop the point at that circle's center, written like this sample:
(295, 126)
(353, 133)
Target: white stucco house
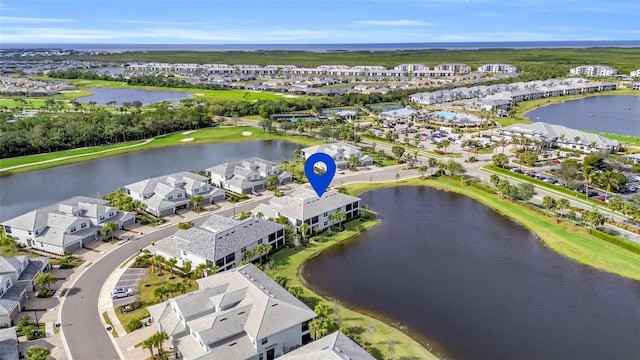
(557, 136)
(240, 314)
(164, 195)
(221, 241)
(304, 206)
(340, 152)
(245, 176)
(67, 225)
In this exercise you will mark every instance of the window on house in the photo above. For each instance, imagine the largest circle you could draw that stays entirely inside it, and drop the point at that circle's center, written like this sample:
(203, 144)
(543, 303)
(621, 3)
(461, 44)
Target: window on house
(179, 195)
(244, 249)
(259, 241)
(170, 197)
(325, 214)
(264, 341)
(280, 233)
(326, 223)
(230, 258)
(305, 325)
(83, 225)
(272, 237)
(7, 229)
(184, 253)
(101, 218)
(195, 191)
(348, 207)
(314, 220)
(8, 285)
(72, 229)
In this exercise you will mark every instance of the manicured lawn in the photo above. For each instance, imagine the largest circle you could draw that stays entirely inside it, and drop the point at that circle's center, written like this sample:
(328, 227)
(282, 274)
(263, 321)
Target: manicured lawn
(238, 95)
(289, 262)
(567, 239)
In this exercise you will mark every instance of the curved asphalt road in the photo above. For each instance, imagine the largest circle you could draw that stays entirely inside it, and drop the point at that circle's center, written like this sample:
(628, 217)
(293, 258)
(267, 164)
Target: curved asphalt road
(82, 329)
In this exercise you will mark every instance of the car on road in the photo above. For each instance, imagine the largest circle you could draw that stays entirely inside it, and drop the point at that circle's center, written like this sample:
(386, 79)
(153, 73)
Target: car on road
(255, 193)
(121, 293)
(341, 172)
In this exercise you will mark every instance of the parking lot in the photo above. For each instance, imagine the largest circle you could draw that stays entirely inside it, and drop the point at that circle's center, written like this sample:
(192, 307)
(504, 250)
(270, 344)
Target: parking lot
(130, 279)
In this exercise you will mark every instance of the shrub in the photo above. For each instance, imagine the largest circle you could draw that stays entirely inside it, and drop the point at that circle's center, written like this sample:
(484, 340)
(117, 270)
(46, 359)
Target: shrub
(134, 324)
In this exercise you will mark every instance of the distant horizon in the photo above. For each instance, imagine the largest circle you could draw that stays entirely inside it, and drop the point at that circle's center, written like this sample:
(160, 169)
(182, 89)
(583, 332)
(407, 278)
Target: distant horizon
(325, 47)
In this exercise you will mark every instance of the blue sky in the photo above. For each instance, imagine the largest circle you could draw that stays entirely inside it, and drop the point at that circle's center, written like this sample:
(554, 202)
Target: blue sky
(315, 21)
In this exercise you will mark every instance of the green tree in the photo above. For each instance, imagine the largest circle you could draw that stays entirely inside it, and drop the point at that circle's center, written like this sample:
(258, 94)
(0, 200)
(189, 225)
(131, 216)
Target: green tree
(528, 158)
(186, 268)
(422, 169)
(171, 264)
(611, 181)
(398, 151)
(304, 230)
(432, 163)
(272, 181)
(296, 291)
(159, 262)
(526, 191)
(196, 203)
(500, 160)
(108, 228)
(455, 168)
(548, 203)
(281, 280)
(160, 292)
(338, 217)
(149, 344)
(186, 225)
(494, 179)
(37, 352)
(158, 339)
(45, 280)
(185, 285)
(354, 161)
(561, 205)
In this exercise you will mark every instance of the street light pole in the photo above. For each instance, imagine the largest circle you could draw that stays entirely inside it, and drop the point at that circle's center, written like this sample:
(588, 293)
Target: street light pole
(36, 315)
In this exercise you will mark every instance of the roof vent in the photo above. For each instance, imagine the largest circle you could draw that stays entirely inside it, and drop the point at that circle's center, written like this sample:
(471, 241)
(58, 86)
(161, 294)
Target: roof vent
(274, 304)
(223, 319)
(233, 343)
(241, 312)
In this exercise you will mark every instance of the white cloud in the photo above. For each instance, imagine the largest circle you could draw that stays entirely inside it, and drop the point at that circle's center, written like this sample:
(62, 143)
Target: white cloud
(393, 22)
(30, 20)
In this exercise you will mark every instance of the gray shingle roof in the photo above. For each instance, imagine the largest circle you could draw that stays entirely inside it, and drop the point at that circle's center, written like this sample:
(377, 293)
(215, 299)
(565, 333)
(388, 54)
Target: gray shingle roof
(8, 344)
(38, 218)
(11, 298)
(10, 265)
(219, 236)
(34, 267)
(333, 346)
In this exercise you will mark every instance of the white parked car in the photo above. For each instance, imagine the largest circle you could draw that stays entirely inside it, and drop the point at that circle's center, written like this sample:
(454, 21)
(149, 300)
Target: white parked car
(121, 293)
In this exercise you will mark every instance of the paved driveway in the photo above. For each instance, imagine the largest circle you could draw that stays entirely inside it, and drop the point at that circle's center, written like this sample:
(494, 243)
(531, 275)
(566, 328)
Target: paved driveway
(130, 279)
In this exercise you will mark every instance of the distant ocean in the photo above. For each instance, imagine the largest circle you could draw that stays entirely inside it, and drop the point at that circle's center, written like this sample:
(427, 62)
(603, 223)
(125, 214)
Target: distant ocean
(329, 47)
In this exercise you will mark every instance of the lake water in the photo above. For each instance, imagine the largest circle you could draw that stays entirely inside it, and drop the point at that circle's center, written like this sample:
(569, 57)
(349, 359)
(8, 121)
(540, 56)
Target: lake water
(104, 95)
(21, 193)
(476, 285)
(607, 113)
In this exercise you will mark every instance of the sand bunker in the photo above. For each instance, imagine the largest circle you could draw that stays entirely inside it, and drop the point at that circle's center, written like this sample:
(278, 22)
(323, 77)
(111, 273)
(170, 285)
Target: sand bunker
(198, 94)
(188, 132)
(246, 133)
(291, 96)
(187, 140)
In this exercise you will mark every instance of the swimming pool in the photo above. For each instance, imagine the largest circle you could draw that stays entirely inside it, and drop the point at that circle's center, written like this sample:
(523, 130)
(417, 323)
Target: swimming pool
(446, 115)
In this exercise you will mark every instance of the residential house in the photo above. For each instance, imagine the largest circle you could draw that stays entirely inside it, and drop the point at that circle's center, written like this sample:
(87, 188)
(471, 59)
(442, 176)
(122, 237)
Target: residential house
(497, 68)
(304, 206)
(221, 241)
(400, 115)
(336, 346)
(560, 137)
(17, 274)
(247, 175)
(593, 70)
(164, 195)
(340, 152)
(67, 225)
(636, 86)
(9, 344)
(635, 73)
(237, 314)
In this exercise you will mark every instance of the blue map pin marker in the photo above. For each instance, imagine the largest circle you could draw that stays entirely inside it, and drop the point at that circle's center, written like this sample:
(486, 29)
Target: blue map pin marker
(320, 182)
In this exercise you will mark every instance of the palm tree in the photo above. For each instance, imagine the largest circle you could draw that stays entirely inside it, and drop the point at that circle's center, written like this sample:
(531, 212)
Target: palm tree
(315, 329)
(171, 263)
(615, 204)
(285, 162)
(160, 292)
(108, 228)
(45, 280)
(196, 202)
(259, 215)
(338, 216)
(422, 169)
(186, 268)
(562, 204)
(149, 344)
(608, 180)
(248, 255)
(185, 285)
(354, 161)
(432, 163)
(159, 338)
(272, 180)
(588, 174)
(297, 154)
(201, 270)
(548, 203)
(159, 260)
(304, 230)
